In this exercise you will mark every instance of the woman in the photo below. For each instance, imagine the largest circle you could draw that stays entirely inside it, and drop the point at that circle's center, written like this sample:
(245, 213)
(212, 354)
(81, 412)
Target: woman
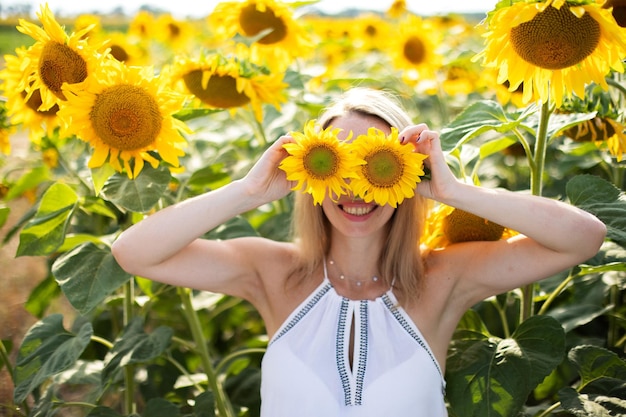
(359, 316)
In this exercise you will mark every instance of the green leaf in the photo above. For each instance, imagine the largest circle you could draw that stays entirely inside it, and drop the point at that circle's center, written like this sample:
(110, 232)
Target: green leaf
(30, 180)
(590, 405)
(87, 275)
(46, 350)
(604, 200)
(42, 296)
(493, 377)
(205, 405)
(563, 121)
(100, 175)
(594, 362)
(135, 346)
(45, 232)
(141, 193)
(478, 118)
(160, 407)
(4, 215)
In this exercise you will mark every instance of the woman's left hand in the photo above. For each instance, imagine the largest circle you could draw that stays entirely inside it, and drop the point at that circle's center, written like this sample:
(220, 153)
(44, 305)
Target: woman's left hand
(426, 141)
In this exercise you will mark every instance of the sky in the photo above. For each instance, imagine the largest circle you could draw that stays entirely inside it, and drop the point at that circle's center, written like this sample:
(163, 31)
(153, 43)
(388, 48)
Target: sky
(186, 8)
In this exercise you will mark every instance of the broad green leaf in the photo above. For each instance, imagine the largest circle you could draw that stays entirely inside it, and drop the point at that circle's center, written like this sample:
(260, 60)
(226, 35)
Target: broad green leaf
(205, 405)
(46, 350)
(604, 200)
(478, 118)
(493, 377)
(139, 194)
(135, 346)
(495, 146)
(72, 240)
(591, 405)
(560, 122)
(579, 314)
(87, 275)
(594, 362)
(100, 175)
(45, 232)
(4, 215)
(40, 298)
(30, 180)
(160, 407)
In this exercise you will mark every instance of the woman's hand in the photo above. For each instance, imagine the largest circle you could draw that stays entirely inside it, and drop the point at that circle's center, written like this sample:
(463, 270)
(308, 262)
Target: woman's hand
(265, 179)
(442, 181)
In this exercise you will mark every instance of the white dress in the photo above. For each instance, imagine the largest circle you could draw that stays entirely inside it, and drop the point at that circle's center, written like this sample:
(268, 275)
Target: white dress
(307, 370)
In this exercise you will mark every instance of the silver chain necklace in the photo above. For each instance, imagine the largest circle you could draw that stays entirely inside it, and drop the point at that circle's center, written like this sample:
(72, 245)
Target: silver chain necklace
(359, 283)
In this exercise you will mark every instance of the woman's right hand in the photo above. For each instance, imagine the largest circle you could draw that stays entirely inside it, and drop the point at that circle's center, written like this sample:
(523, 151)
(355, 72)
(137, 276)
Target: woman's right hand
(265, 179)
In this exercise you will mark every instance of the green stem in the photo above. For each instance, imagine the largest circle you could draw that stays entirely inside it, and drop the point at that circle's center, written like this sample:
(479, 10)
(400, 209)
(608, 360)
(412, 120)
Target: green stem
(617, 85)
(558, 290)
(102, 341)
(536, 186)
(224, 406)
(129, 370)
(549, 410)
(219, 368)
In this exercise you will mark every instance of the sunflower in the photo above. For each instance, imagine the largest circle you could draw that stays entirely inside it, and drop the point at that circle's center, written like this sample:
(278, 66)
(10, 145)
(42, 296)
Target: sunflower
(54, 59)
(553, 47)
(391, 170)
(281, 37)
(413, 49)
(229, 82)
(23, 107)
(319, 162)
(602, 131)
(125, 113)
(447, 225)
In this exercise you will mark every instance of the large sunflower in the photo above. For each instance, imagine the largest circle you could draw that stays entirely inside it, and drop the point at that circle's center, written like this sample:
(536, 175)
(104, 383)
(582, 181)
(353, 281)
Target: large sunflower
(391, 170)
(230, 82)
(319, 162)
(553, 47)
(54, 59)
(22, 106)
(279, 37)
(125, 114)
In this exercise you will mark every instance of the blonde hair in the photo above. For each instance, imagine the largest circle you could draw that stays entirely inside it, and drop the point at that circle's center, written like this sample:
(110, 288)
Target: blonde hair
(398, 264)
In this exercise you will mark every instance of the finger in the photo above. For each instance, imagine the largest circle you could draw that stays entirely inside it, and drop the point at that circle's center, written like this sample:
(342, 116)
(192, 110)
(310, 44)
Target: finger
(411, 133)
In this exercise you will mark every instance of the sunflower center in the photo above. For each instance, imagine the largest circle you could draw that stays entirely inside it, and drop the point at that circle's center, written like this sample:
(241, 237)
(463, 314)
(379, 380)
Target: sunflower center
(384, 168)
(221, 90)
(321, 162)
(119, 53)
(59, 63)
(414, 50)
(254, 21)
(555, 39)
(126, 117)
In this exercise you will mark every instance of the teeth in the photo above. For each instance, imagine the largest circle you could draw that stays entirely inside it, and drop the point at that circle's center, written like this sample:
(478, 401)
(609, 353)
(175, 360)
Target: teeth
(358, 211)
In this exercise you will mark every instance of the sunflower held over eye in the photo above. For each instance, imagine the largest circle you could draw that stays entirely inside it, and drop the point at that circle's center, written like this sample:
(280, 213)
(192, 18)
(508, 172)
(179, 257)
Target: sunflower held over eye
(125, 113)
(391, 170)
(553, 47)
(55, 58)
(230, 82)
(281, 37)
(320, 163)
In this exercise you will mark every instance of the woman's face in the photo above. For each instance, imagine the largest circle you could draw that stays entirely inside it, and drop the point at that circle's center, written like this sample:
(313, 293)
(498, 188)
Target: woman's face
(350, 216)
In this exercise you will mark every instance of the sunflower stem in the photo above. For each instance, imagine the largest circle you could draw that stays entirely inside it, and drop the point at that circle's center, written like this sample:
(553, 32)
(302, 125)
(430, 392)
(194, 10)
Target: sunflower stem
(536, 187)
(129, 370)
(222, 403)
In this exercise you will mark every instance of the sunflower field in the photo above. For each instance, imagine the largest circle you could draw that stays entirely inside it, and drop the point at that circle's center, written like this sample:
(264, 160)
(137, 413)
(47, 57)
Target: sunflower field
(103, 124)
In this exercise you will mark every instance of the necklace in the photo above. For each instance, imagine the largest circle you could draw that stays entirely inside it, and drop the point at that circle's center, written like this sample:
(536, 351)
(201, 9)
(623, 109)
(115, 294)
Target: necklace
(358, 282)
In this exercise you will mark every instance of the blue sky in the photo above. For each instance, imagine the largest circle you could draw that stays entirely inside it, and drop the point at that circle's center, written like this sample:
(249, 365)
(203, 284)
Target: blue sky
(186, 8)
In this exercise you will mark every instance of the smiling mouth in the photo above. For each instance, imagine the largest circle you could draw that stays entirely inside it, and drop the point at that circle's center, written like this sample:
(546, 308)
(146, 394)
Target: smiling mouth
(357, 211)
